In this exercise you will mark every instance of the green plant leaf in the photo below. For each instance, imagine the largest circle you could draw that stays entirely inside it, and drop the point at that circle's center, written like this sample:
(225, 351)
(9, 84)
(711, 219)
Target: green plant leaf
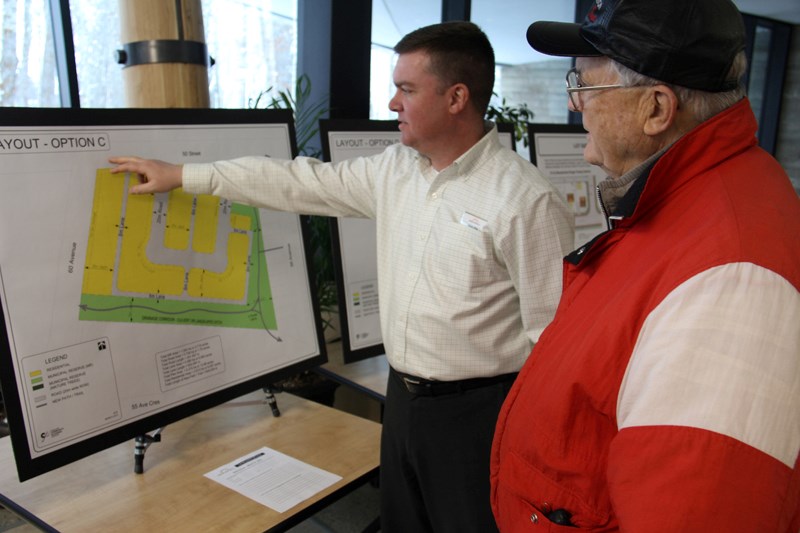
(519, 115)
(306, 124)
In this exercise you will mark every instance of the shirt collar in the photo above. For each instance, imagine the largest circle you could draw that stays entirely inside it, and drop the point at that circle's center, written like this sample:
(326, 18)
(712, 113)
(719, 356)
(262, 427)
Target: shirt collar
(487, 146)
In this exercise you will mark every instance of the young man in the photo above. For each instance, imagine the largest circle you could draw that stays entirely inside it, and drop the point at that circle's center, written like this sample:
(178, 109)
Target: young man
(665, 394)
(470, 241)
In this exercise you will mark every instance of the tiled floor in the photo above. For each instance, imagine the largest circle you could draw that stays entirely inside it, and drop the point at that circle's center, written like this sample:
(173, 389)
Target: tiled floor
(352, 514)
(10, 523)
(8, 520)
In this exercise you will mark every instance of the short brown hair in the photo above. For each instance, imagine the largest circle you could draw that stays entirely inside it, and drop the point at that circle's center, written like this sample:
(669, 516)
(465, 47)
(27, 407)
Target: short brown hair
(460, 53)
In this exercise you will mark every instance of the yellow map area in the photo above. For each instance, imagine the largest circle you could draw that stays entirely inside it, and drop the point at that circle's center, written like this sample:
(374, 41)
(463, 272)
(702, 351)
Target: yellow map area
(122, 225)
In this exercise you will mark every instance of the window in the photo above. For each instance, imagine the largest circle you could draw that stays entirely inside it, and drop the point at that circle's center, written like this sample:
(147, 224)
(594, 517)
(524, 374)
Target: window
(758, 68)
(96, 35)
(523, 75)
(261, 53)
(391, 20)
(29, 76)
(768, 49)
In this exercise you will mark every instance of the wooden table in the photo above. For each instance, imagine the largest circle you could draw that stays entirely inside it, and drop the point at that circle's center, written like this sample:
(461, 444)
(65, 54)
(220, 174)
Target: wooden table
(102, 493)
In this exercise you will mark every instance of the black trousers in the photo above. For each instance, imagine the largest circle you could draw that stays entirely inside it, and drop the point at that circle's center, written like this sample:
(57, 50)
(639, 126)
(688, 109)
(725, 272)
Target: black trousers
(435, 459)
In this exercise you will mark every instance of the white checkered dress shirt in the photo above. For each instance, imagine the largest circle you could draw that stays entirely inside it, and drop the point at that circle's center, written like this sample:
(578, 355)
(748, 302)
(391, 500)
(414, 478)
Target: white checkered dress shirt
(469, 258)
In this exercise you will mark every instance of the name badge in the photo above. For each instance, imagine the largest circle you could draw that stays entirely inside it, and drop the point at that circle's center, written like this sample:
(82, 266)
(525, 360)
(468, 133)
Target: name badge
(473, 222)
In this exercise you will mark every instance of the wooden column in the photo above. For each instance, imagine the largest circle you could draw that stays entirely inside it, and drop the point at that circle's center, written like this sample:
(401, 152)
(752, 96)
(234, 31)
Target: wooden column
(164, 53)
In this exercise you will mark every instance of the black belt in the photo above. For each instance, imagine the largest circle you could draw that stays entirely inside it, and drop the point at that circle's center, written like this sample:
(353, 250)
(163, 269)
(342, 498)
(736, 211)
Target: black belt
(425, 387)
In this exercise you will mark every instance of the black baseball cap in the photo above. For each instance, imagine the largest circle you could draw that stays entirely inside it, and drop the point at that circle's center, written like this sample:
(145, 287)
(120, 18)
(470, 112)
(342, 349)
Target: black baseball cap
(691, 43)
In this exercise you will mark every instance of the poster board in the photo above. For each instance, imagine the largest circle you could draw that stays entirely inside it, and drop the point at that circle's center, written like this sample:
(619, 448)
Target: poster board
(557, 150)
(353, 239)
(124, 313)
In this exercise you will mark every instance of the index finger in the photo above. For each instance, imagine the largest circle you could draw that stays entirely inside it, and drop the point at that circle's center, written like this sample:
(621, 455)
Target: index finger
(124, 163)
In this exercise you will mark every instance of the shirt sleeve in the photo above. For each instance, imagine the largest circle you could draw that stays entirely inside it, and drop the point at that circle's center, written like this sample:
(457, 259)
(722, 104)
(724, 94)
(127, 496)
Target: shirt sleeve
(534, 249)
(708, 409)
(303, 185)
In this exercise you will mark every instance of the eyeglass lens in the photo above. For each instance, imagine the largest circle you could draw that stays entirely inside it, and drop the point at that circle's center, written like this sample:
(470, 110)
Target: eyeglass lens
(573, 81)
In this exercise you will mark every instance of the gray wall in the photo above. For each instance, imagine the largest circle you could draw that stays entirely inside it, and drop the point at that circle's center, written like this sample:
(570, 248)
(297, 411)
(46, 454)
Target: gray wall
(788, 149)
(541, 86)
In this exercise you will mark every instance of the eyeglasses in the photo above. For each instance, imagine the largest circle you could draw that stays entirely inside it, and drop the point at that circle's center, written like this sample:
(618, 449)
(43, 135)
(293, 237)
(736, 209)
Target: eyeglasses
(574, 87)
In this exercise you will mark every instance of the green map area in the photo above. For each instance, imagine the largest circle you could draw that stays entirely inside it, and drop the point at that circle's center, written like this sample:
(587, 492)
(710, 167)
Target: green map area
(174, 258)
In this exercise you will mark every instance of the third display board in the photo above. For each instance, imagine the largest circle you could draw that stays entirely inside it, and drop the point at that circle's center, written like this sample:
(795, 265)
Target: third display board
(557, 150)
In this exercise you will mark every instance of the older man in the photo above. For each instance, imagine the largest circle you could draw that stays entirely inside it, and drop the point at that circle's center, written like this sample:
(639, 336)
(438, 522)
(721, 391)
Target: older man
(665, 395)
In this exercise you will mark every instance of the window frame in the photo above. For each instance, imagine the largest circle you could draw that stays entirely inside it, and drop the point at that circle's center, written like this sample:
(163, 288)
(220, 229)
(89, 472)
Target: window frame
(349, 66)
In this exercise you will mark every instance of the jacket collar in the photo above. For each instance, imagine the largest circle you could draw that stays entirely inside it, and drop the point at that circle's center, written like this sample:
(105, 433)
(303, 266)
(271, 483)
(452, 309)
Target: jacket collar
(721, 137)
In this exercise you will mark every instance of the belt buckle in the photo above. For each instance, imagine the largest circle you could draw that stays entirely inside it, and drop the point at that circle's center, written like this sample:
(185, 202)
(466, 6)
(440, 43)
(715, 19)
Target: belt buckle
(412, 386)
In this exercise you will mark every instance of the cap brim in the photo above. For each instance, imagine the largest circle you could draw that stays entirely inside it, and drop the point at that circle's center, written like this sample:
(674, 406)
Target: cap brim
(559, 39)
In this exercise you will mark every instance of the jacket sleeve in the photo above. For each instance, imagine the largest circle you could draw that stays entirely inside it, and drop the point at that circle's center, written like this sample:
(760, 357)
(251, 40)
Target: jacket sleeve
(708, 409)
(667, 479)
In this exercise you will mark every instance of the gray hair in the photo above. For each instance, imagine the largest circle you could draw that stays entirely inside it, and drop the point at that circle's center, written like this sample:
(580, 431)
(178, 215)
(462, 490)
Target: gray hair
(702, 104)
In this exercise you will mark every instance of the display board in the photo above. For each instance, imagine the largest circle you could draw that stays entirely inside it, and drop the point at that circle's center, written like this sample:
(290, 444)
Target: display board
(353, 239)
(124, 312)
(557, 149)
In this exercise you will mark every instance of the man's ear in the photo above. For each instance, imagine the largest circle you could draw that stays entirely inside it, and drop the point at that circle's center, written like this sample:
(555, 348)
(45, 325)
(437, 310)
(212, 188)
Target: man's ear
(661, 109)
(459, 97)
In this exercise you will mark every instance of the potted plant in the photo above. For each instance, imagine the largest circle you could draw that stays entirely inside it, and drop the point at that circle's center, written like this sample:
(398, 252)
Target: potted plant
(519, 115)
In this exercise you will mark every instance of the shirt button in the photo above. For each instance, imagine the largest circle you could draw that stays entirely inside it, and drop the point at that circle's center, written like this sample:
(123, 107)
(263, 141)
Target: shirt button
(534, 518)
(434, 195)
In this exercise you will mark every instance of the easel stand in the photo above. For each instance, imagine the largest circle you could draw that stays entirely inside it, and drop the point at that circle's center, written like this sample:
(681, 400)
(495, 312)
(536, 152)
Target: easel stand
(141, 443)
(273, 403)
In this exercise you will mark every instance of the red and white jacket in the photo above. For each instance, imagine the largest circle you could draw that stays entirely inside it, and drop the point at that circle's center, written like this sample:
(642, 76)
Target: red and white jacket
(665, 394)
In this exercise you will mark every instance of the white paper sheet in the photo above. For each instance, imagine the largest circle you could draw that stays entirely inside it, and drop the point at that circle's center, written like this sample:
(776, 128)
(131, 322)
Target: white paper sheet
(273, 479)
